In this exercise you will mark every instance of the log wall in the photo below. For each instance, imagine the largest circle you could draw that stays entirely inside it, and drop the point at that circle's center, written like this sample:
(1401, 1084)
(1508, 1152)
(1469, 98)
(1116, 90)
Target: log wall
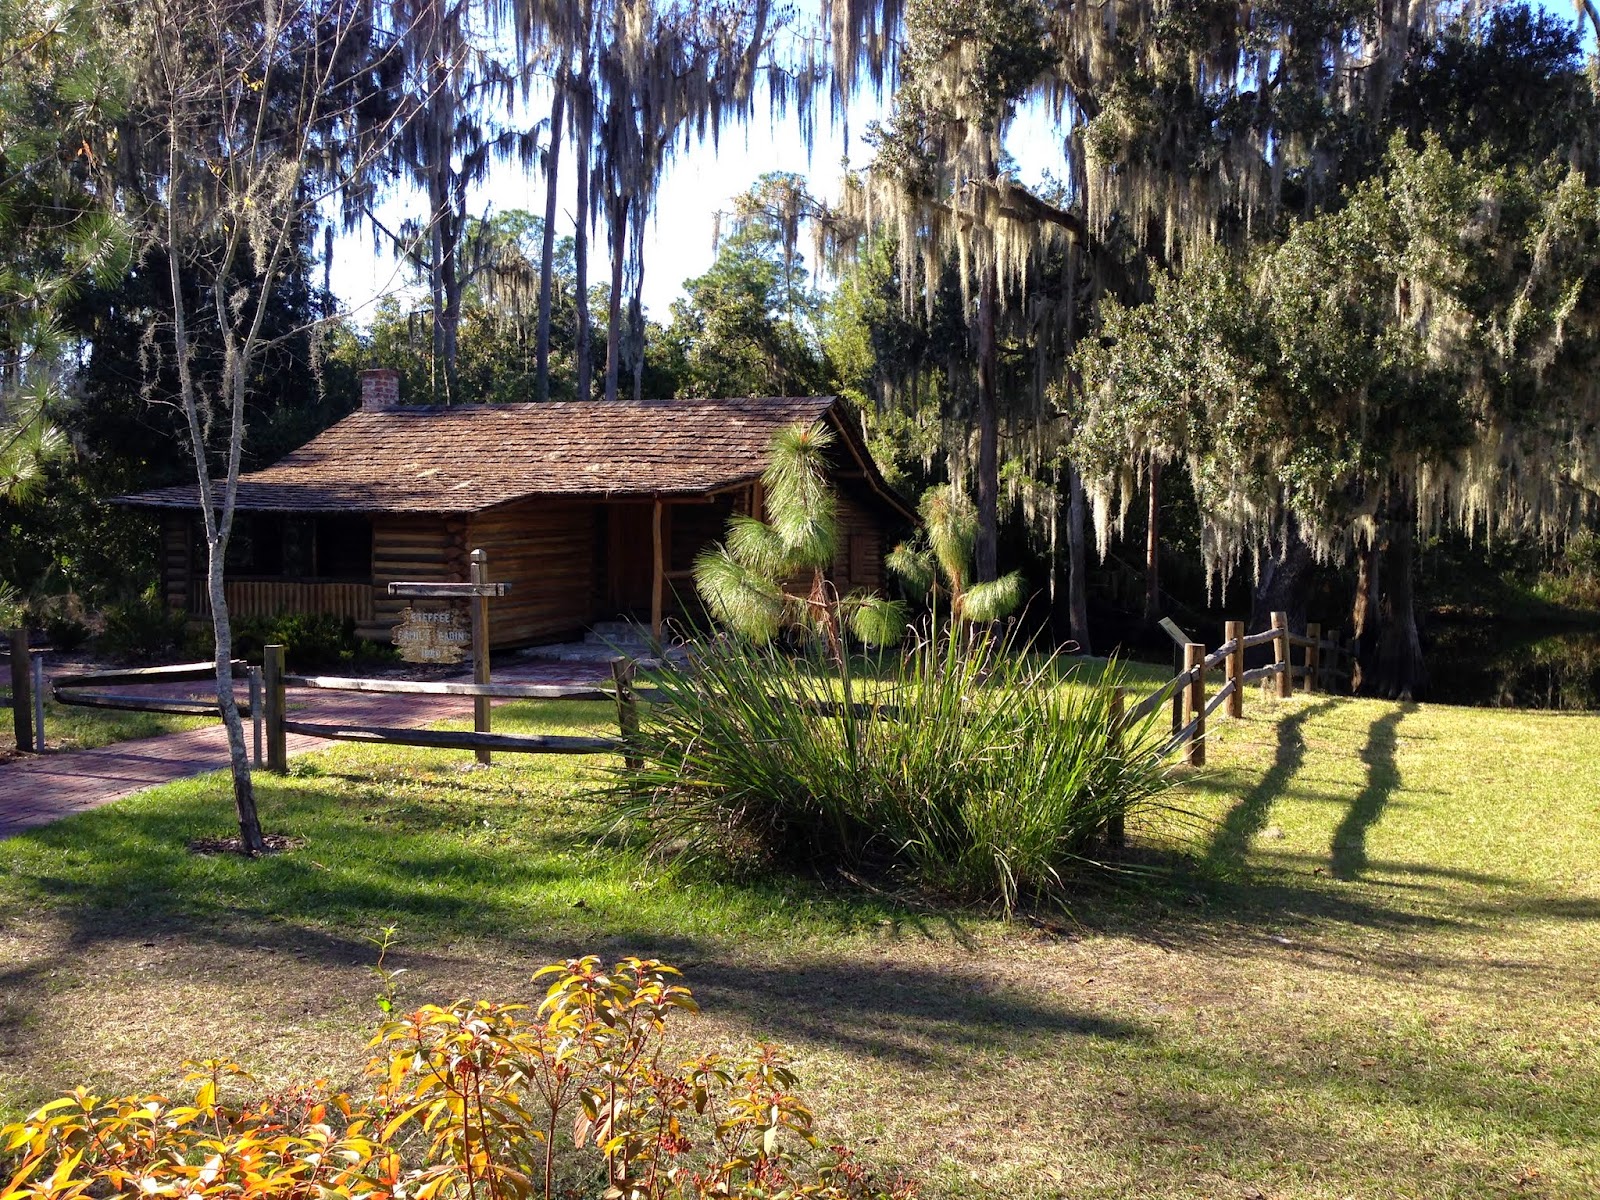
(418, 548)
(545, 550)
(177, 561)
(858, 556)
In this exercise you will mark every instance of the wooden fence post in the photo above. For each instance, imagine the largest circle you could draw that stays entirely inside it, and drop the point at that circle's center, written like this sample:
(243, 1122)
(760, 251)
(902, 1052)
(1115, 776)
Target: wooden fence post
(1313, 655)
(21, 689)
(622, 670)
(1116, 824)
(257, 718)
(1334, 661)
(1233, 631)
(1177, 693)
(480, 649)
(1280, 650)
(36, 681)
(1194, 656)
(272, 680)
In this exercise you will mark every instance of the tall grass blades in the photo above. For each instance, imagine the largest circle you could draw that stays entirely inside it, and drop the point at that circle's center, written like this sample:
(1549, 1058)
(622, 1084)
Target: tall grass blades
(965, 765)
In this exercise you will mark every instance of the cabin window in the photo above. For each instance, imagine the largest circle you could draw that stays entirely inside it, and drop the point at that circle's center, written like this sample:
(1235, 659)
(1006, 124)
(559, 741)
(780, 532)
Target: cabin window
(291, 546)
(344, 547)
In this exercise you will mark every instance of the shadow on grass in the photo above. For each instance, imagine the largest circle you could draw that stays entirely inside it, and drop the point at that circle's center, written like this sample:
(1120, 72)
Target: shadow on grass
(1349, 847)
(1230, 844)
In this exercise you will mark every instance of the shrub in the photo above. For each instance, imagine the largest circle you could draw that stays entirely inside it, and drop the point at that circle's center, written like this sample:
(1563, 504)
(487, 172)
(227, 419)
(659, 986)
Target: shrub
(977, 770)
(65, 633)
(309, 640)
(472, 1100)
(141, 627)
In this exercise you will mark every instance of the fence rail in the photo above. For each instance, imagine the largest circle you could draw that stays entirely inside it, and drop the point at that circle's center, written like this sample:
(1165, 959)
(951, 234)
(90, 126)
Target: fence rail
(452, 739)
(276, 681)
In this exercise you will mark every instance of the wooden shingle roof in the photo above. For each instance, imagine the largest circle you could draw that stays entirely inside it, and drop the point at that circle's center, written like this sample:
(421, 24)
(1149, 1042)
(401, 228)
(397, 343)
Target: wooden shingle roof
(464, 458)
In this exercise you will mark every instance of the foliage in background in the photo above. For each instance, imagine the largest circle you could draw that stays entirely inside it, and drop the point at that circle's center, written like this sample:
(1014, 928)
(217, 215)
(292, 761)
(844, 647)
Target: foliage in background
(310, 640)
(937, 562)
(969, 769)
(748, 326)
(473, 1099)
(1576, 579)
(141, 627)
(746, 581)
(60, 89)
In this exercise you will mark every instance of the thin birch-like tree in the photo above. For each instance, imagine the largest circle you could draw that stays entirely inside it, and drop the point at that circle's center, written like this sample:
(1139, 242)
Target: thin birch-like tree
(253, 117)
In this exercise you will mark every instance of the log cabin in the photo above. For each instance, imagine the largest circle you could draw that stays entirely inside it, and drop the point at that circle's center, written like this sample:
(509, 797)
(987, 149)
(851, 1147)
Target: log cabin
(589, 510)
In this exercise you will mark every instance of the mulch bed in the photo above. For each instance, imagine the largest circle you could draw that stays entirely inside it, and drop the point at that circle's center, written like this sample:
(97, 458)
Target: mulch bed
(277, 843)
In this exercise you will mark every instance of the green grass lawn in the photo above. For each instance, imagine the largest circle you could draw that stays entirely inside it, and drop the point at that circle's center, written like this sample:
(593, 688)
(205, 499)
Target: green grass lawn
(70, 727)
(1373, 972)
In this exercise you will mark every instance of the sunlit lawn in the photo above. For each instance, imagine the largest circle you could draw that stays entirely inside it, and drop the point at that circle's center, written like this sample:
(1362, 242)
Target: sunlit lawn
(70, 727)
(1374, 976)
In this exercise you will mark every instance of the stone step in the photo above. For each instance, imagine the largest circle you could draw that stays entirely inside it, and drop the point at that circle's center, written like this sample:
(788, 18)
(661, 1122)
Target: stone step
(591, 652)
(617, 631)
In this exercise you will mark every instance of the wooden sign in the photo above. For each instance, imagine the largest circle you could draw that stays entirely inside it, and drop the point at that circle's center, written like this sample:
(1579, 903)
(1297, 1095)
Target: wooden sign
(439, 637)
(448, 591)
(432, 637)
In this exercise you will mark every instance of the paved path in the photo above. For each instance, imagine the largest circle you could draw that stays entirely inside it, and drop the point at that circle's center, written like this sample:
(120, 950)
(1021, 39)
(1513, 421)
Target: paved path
(38, 789)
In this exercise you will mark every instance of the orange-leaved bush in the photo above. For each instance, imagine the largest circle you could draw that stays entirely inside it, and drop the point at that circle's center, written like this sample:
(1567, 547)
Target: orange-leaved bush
(471, 1101)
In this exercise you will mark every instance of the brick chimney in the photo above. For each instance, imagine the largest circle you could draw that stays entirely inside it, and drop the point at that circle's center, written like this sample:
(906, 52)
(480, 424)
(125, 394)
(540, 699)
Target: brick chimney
(380, 389)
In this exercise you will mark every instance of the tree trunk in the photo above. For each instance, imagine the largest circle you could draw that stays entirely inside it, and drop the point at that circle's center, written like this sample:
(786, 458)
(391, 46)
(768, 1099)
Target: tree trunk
(619, 230)
(583, 341)
(636, 330)
(1283, 582)
(452, 305)
(443, 234)
(986, 565)
(1398, 671)
(251, 840)
(1078, 561)
(1152, 547)
(547, 252)
(1364, 610)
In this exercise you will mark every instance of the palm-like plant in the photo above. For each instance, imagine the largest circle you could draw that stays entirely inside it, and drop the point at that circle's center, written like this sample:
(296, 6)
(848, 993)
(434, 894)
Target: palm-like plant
(772, 575)
(938, 560)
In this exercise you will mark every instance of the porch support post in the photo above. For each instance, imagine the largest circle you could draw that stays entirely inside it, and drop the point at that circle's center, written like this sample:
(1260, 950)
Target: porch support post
(658, 573)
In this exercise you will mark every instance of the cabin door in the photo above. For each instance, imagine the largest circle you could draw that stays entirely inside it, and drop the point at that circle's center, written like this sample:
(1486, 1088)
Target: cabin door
(630, 552)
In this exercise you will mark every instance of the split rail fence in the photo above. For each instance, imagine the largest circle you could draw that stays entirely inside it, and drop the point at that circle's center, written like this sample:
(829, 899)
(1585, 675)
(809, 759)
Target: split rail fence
(1321, 663)
(86, 689)
(1313, 661)
(276, 683)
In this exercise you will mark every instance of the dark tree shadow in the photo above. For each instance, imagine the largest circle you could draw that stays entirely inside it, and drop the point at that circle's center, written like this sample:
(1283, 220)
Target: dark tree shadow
(1383, 778)
(1230, 844)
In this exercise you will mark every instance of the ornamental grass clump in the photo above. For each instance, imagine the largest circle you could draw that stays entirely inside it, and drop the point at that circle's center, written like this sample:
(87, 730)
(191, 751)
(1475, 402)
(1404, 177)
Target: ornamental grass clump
(965, 767)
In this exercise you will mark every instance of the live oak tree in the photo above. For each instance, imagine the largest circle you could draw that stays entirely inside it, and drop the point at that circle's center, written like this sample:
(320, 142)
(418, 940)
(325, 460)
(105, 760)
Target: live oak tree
(1416, 355)
(1181, 128)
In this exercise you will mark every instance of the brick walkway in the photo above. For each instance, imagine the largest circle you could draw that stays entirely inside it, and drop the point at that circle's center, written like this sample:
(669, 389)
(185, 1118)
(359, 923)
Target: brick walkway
(38, 789)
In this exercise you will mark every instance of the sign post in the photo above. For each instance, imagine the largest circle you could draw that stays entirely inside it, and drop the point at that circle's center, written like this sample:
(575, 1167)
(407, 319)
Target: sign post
(480, 645)
(438, 637)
